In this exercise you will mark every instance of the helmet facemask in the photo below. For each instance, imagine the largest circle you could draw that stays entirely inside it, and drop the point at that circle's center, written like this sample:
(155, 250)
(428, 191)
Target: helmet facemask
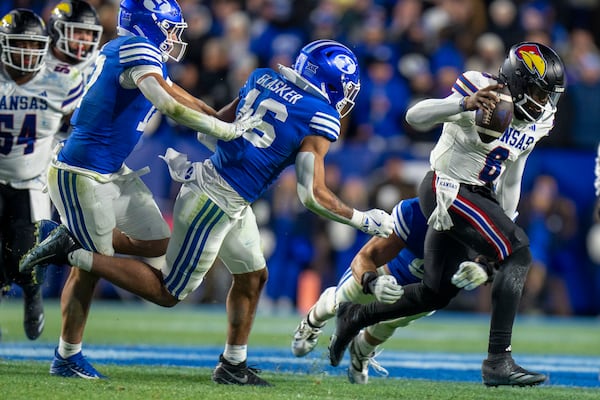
(173, 45)
(20, 58)
(71, 43)
(346, 105)
(535, 102)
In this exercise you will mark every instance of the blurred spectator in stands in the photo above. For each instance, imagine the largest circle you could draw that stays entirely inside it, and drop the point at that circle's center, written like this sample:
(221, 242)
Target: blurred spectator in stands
(237, 37)
(489, 54)
(468, 19)
(222, 10)
(389, 184)
(200, 21)
(405, 29)
(325, 21)
(415, 69)
(540, 15)
(583, 69)
(381, 104)
(504, 22)
(213, 85)
(292, 228)
(550, 220)
(359, 13)
(279, 30)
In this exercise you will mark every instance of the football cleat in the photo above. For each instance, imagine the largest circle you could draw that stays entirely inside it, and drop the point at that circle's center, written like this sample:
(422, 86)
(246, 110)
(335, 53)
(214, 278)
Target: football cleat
(503, 371)
(347, 327)
(227, 373)
(358, 370)
(43, 228)
(33, 321)
(305, 339)
(75, 366)
(52, 250)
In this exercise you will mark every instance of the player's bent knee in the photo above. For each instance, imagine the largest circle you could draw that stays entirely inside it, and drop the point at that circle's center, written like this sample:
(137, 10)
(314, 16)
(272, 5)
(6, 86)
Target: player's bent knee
(434, 300)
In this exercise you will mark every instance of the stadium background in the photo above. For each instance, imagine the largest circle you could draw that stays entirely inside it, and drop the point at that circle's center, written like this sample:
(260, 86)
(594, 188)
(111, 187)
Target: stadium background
(408, 49)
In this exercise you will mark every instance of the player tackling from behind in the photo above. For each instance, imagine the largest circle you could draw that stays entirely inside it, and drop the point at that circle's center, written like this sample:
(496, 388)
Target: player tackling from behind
(103, 203)
(300, 109)
(470, 198)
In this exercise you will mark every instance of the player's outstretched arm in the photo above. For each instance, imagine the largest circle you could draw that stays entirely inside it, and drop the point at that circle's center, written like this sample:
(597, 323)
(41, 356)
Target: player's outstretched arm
(377, 252)
(316, 196)
(189, 111)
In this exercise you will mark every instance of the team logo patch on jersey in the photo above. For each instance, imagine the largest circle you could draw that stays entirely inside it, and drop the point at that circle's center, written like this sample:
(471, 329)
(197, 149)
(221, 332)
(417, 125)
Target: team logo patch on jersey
(344, 64)
(533, 59)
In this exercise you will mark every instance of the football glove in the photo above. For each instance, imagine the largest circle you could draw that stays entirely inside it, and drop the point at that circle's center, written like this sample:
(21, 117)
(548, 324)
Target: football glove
(384, 287)
(246, 123)
(469, 276)
(375, 222)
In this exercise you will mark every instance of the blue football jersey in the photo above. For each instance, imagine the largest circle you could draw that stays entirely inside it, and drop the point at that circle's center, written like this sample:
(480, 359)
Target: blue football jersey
(110, 118)
(253, 161)
(411, 226)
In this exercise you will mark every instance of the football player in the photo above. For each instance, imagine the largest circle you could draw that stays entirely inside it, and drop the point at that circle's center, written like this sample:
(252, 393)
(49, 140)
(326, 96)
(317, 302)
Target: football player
(377, 273)
(34, 101)
(300, 109)
(105, 204)
(470, 198)
(75, 32)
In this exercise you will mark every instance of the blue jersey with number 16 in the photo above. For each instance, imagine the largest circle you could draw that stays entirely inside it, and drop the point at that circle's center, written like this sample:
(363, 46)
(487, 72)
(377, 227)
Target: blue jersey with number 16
(253, 161)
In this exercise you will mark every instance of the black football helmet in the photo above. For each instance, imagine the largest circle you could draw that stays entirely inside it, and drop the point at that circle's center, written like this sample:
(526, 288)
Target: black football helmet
(67, 20)
(535, 76)
(23, 40)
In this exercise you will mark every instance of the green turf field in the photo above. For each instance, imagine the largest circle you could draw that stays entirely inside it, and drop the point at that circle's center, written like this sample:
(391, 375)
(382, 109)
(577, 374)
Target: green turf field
(140, 323)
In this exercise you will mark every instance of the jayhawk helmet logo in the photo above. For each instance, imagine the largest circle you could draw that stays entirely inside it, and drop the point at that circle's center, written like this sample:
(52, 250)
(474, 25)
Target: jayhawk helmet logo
(63, 7)
(7, 20)
(532, 57)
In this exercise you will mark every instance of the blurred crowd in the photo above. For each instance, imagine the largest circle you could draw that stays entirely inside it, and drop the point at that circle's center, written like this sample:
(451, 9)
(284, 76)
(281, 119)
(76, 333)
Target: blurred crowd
(408, 50)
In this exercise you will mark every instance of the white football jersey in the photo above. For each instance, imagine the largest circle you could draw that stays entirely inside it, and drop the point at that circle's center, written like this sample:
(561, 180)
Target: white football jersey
(86, 68)
(30, 116)
(462, 155)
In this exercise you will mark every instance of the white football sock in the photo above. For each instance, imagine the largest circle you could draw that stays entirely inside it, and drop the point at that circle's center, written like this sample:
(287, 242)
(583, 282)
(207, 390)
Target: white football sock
(235, 353)
(66, 350)
(81, 259)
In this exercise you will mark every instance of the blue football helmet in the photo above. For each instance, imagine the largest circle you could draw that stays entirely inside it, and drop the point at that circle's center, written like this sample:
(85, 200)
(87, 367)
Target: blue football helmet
(159, 21)
(23, 41)
(332, 69)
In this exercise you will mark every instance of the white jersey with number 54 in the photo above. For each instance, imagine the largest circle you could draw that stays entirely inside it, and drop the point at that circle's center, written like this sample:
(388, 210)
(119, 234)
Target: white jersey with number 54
(30, 116)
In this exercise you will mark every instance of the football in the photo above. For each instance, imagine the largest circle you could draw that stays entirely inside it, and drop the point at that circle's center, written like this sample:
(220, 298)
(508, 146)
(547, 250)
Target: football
(491, 124)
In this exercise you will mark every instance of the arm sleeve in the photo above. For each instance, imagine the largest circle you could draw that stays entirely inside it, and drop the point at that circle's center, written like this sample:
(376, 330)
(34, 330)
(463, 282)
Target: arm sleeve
(508, 190)
(305, 166)
(182, 114)
(425, 114)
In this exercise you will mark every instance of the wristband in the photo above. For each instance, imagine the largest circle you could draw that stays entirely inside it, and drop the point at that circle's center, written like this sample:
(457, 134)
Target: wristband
(357, 219)
(462, 105)
(366, 279)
